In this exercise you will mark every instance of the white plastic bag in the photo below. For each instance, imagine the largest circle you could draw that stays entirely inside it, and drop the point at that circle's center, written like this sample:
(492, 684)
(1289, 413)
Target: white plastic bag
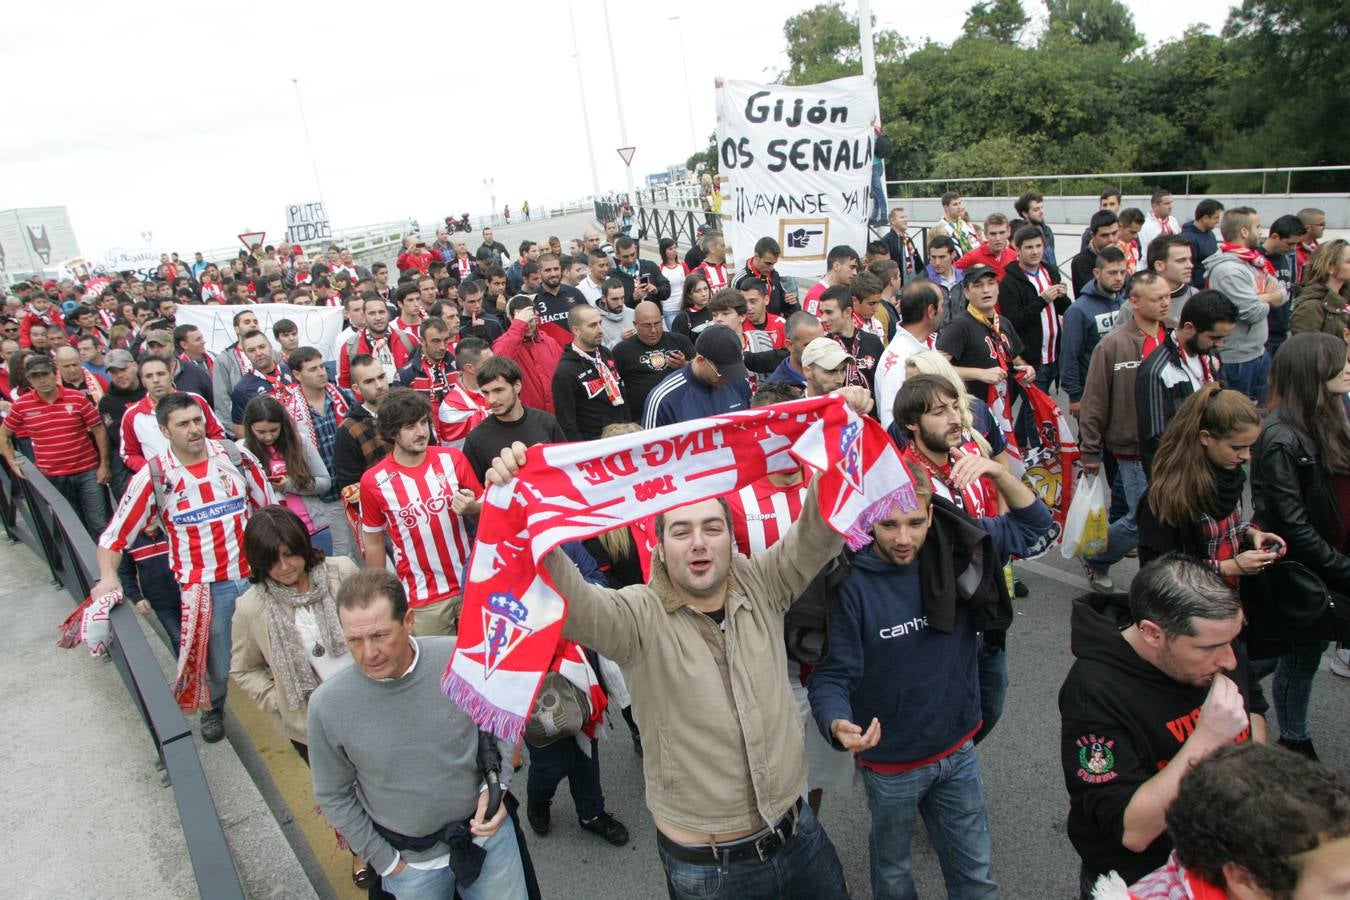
(1085, 526)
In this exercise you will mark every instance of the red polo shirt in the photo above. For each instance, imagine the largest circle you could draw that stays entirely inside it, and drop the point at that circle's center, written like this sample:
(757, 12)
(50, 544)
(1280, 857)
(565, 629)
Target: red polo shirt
(59, 430)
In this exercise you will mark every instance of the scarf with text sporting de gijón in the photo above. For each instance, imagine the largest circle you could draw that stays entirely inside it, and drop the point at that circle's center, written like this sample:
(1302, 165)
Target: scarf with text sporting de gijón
(512, 618)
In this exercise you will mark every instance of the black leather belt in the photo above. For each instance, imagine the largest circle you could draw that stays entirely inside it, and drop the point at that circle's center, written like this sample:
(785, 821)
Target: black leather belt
(755, 848)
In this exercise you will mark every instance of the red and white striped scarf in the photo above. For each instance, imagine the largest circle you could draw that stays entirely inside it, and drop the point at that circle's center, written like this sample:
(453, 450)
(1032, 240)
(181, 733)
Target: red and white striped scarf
(189, 685)
(513, 616)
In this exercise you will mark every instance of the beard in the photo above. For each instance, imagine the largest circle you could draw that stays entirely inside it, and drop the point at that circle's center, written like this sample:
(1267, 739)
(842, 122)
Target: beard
(934, 442)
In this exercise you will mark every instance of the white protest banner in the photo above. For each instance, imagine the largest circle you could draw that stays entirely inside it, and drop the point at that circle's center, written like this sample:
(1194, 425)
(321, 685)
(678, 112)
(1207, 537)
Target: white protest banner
(798, 160)
(307, 222)
(319, 326)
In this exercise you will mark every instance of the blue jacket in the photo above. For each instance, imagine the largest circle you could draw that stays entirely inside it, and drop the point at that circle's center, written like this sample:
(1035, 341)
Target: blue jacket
(1087, 320)
(1203, 245)
(788, 375)
(681, 397)
(886, 662)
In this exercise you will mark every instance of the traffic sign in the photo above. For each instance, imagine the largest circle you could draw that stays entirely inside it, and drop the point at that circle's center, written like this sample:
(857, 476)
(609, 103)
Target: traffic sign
(626, 154)
(249, 238)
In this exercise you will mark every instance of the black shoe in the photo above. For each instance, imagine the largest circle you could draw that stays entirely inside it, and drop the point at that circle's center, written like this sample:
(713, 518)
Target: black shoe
(1302, 748)
(609, 828)
(1020, 589)
(538, 814)
(213, 725)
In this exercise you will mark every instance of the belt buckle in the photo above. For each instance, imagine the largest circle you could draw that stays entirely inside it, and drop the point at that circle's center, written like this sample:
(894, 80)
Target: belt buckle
(762, 847)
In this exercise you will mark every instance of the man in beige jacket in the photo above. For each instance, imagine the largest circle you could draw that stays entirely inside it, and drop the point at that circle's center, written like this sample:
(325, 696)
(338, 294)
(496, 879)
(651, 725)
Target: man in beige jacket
(701, 646)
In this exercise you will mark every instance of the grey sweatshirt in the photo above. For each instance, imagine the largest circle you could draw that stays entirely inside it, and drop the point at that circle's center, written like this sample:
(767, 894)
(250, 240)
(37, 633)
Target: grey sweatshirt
(397, 751)
(1236, 280)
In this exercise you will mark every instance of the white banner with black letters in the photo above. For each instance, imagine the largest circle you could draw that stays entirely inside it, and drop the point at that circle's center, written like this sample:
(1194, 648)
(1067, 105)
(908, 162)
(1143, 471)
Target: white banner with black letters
(319, 326)
(799, 164)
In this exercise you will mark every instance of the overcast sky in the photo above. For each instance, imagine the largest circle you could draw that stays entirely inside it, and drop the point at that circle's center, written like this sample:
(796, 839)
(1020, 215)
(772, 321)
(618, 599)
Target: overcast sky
(181, 118)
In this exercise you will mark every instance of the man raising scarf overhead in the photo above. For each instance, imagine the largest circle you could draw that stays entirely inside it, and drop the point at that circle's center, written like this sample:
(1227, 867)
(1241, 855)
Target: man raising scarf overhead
(701, 645)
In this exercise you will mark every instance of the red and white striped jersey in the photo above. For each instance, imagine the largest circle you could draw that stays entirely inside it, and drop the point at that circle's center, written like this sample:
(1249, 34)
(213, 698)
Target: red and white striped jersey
(209, 505)
(460, 411)
(412, 505)
(762, 512)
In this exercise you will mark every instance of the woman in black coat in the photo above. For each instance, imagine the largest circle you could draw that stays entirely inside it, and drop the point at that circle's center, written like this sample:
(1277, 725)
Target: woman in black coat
(1301, 491)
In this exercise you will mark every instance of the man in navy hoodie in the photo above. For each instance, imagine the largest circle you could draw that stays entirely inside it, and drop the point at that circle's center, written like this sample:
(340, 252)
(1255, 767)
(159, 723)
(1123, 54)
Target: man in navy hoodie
(1088, 320)
(900, 687)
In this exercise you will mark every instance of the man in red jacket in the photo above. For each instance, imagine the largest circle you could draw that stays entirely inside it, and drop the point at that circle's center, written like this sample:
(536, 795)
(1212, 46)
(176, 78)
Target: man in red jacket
(535, 353)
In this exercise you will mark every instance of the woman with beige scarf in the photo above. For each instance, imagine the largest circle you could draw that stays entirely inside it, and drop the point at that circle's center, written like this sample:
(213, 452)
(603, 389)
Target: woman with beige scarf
(287, 638)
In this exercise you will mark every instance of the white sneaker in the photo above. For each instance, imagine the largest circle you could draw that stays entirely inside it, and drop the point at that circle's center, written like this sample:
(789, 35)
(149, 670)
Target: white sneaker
(1340, 662)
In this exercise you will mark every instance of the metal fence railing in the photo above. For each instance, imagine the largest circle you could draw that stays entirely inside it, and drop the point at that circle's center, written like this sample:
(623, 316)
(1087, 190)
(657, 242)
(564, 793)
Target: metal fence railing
(35, 512)
(1277, 181)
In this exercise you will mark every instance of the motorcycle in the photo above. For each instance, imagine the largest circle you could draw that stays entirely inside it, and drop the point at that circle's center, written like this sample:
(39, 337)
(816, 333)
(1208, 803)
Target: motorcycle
(460, 224)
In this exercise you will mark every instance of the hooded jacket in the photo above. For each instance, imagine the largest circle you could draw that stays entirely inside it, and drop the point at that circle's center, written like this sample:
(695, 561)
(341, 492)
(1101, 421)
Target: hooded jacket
(904, 640)
(1121, 721)
(615, 324)
(1236, 279)
(537, 357)
(1087, 320)
(580, 403)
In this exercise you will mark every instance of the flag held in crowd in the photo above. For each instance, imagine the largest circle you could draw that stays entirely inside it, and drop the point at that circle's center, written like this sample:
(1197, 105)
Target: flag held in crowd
(513, 617)
(89, 624)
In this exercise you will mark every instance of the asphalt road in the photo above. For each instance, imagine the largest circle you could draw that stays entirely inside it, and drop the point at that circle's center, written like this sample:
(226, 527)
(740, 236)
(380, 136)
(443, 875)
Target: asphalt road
(1020, 761)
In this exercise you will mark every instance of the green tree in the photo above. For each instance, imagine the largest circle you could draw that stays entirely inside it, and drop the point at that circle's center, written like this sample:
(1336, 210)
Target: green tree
(998, 20)
(822, 44)
(1093, 22)
(707, 158)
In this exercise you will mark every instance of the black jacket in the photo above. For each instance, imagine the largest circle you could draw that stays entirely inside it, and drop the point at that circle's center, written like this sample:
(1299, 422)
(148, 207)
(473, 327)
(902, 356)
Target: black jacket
(1081, 270)
(579, 400)
(1021, 304)
(1121, 721)
(1293, 497)
(650, 270)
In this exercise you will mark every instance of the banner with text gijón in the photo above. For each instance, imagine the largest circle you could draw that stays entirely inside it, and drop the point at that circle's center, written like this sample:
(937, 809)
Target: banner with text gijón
(798, 160)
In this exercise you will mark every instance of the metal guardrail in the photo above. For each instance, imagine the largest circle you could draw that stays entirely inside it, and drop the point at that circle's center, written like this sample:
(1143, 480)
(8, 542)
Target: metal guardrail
(1016, 184)
(54, 531)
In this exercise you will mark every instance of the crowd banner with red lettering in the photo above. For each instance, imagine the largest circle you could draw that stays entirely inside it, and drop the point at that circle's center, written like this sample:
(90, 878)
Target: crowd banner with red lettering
(319, 326)
(513, 617)
(798, 160)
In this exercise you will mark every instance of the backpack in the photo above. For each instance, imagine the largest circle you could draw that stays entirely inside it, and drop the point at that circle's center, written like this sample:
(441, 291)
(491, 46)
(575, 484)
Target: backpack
(806, 627)
(157, 475)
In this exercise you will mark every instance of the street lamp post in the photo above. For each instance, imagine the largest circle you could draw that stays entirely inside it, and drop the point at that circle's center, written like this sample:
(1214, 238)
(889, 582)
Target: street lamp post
(688, 98)
(491, 185)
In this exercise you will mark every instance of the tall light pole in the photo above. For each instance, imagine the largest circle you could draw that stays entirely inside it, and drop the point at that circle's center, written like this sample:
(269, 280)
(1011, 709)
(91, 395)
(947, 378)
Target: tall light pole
(688, 98)
(618, 100)
(308, 140)
(490, 184)
(585, 113)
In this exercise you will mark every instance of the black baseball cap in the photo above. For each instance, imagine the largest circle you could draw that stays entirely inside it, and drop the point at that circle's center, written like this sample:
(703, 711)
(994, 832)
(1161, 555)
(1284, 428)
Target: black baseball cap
(974, 273)
(720, 346)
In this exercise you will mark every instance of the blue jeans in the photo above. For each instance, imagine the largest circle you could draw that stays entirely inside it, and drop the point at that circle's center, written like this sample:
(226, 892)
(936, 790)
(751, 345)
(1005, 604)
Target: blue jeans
(1248, 377)
(1292, 688)
(1123, 535)
(993, 670)
(563, 759)
(949, 794)
(502, 876)
(223, 595)
(807, 868)
(88, 497)
(879, 211)
(1046, 373)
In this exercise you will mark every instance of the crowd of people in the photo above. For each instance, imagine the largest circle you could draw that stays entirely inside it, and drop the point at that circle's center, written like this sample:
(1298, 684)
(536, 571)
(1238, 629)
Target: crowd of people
(300, 519)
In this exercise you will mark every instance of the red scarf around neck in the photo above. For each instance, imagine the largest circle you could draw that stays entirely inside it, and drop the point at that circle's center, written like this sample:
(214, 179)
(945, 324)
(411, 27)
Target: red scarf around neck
(1250, 256)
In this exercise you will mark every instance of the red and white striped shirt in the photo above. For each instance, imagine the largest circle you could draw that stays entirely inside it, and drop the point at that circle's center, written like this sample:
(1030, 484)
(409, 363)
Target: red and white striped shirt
(1042, 282)
(762, 512)
(412, 505)
(59, 430)
(459, 413)
(210, 503)
(716, 275)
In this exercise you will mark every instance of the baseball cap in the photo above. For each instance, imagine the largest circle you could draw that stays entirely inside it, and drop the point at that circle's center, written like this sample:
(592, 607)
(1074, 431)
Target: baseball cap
(120, 359)
(159, 336)
(720, 346)
(34, 364)
(825, 353)
(977, 272)
(49, 285)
